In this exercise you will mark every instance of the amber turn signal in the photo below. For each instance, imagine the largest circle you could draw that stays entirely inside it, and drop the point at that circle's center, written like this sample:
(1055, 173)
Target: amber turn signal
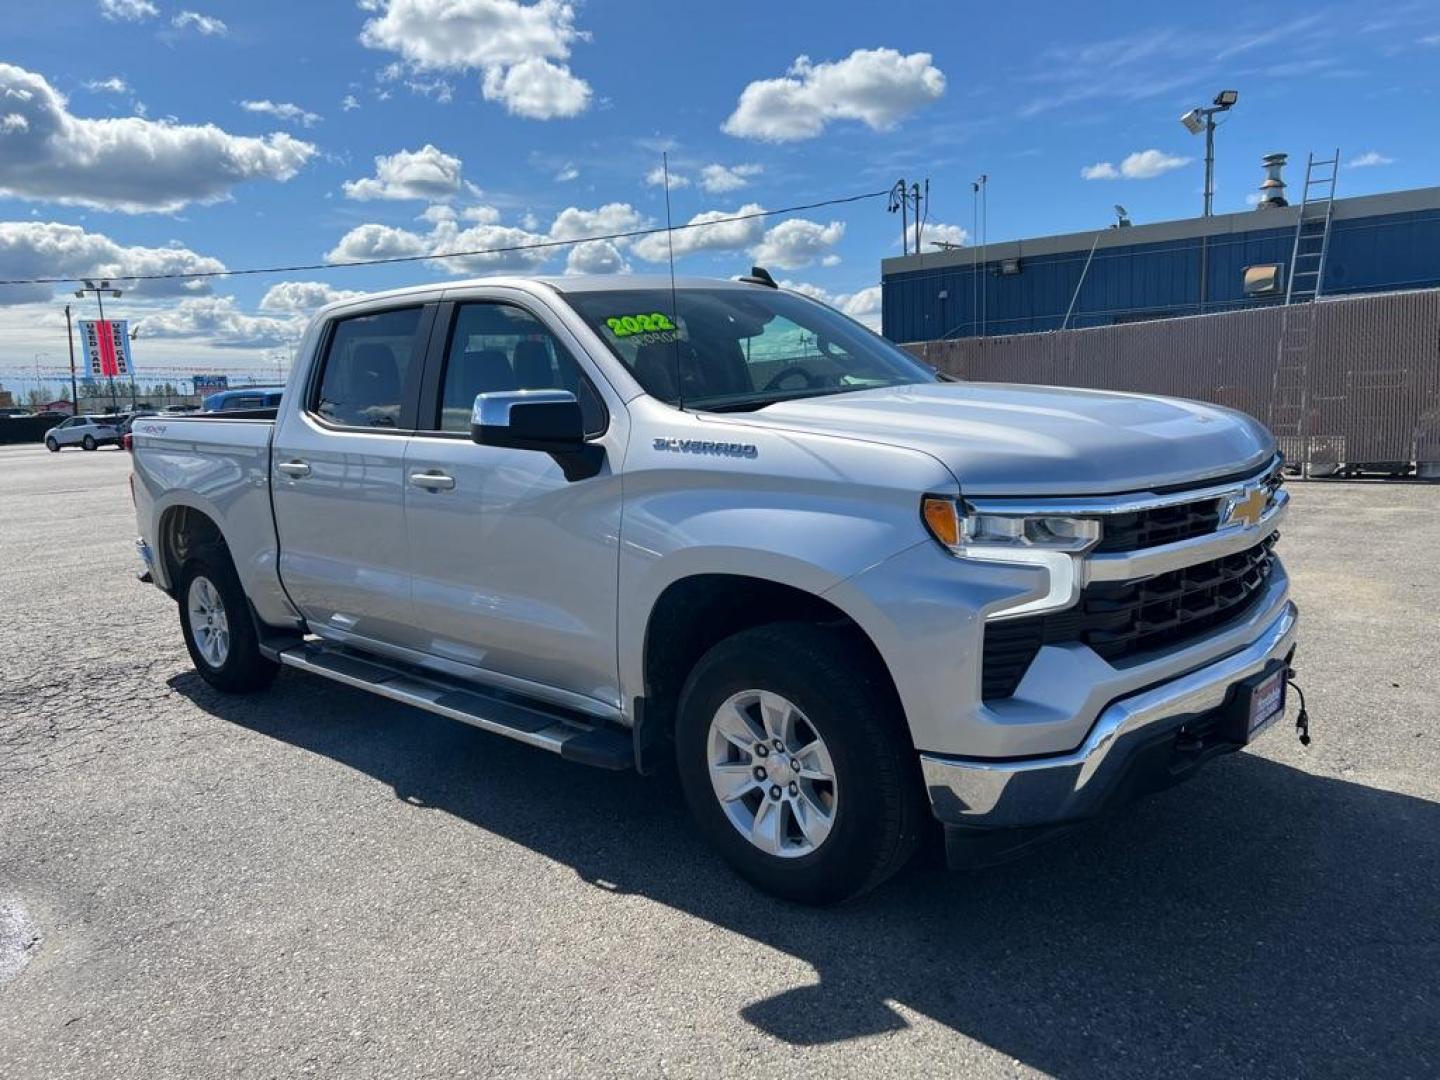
(942, 518)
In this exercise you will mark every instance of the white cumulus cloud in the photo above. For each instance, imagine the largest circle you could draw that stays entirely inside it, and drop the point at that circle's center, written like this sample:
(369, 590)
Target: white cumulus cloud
(519, 49)
(303, 296)
(656, 178)
(878, 87)
(711, 233)
(427, 173)
(372, 240)
(718, 179)
(537, 89)
(287, 111)
(480, 229)
(573, 223)
(596, 257)
(113, 85)
(128, 10)
(798, 242)
(127, 163)
(863, 305)
(944, 234)
(1148, 164)
(30, 249)
(1370, 158)
(202, 24)
(375, 241)
(1141, 165)
(219, 321)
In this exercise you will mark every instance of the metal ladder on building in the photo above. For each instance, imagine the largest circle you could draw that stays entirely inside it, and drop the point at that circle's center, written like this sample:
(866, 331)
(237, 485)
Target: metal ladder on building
(1290, 394)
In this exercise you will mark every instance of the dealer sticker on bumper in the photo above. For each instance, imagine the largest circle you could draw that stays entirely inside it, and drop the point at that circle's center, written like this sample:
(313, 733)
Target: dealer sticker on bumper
(1267, 703)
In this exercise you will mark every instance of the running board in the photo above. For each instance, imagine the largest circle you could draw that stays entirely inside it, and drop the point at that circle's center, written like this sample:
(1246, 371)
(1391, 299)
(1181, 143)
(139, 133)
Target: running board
(573, 738)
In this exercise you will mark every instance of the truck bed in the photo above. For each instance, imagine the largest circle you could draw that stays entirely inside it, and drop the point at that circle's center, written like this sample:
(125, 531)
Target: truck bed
(221, 466)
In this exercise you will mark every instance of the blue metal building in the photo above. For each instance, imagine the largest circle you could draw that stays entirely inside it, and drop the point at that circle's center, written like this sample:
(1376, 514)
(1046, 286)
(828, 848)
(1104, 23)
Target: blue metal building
(1378, 243)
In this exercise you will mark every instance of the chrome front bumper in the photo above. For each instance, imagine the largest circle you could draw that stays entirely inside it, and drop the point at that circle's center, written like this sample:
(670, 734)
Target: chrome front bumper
(1054, 789)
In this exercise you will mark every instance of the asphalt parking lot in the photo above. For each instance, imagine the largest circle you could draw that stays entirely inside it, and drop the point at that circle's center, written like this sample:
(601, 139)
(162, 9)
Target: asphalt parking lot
(315, 880)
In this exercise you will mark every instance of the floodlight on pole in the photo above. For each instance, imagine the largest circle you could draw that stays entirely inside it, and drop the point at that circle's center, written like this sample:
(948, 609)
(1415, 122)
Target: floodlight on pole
(1203, 119)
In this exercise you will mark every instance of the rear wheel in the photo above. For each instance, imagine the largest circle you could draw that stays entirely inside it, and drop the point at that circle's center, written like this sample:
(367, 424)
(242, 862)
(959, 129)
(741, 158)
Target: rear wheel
(793, 761)
(52, 445)
(219, 633)
(88, 442)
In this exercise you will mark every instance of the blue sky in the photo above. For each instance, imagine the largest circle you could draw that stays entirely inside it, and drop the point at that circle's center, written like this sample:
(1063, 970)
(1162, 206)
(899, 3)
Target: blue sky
(149, 134)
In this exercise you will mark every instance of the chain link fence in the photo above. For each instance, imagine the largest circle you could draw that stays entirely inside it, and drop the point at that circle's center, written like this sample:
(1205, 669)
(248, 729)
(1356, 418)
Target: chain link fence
(1370, 373)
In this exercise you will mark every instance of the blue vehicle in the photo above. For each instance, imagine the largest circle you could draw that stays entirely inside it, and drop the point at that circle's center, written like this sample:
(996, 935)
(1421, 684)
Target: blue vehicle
(244, 398)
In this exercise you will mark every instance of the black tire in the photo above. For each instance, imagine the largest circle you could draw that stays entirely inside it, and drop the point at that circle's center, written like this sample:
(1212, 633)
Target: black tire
(52, 446)
(880, 812)
(88, 443)
(243, 669)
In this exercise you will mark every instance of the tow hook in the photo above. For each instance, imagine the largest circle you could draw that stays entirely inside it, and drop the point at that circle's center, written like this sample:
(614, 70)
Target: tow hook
(1302, 721)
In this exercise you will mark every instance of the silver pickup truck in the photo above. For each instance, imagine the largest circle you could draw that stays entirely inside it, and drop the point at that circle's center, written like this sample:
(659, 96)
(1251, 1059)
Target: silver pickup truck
(720, 525)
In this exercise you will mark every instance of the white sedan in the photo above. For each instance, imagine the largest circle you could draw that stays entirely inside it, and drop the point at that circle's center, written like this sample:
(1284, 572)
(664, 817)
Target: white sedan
(83, 431)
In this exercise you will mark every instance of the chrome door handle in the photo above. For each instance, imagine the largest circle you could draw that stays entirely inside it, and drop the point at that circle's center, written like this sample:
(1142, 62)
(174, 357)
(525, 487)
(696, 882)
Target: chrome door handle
(293, 468)
(432, 481)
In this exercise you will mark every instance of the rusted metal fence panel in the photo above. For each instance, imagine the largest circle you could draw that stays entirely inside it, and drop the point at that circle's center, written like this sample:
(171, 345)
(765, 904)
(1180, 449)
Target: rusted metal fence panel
(1371, 371)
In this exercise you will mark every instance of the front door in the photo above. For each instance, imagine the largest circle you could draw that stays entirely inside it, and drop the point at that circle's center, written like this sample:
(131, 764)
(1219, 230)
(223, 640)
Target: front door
(513, 567)
(337, 476)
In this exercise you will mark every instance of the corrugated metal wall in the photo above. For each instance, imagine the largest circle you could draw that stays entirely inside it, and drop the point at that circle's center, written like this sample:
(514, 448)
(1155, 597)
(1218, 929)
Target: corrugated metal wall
(1154, 280)
(1372, 371)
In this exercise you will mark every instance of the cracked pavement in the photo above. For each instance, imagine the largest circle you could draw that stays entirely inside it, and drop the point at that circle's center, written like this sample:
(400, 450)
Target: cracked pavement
(314, 880)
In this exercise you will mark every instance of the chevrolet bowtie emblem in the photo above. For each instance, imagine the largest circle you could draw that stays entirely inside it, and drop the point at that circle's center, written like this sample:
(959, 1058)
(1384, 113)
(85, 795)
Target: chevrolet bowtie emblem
(1246, 508)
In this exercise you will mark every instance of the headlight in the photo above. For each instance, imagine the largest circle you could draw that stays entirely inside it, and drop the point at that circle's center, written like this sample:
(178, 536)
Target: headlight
(1058, 544)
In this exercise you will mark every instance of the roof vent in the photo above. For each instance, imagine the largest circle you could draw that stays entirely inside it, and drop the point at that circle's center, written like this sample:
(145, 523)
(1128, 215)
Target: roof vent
(1272, 188)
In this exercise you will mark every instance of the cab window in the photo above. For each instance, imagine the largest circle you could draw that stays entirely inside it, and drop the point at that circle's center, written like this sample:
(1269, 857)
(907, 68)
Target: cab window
(366, 369)
(495, 347)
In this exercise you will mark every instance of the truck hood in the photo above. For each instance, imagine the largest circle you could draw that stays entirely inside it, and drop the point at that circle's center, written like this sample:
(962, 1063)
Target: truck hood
(1011, 439)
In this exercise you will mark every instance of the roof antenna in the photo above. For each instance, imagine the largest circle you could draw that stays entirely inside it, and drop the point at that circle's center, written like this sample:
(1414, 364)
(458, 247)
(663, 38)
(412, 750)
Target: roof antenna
(674, 303)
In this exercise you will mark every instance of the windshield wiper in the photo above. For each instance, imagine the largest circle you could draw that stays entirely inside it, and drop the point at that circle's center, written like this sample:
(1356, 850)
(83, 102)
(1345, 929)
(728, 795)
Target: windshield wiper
(759, 401)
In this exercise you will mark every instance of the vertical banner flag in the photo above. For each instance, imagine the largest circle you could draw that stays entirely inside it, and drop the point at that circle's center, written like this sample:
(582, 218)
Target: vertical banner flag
(106, 344)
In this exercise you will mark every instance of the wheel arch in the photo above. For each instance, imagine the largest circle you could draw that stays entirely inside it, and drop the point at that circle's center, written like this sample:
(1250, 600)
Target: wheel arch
(694, 613)
(183, 528)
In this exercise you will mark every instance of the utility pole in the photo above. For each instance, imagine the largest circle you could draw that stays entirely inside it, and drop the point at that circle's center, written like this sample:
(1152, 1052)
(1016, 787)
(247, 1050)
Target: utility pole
(919, 224)
(981, 190)
(74, 387)
(900, 200)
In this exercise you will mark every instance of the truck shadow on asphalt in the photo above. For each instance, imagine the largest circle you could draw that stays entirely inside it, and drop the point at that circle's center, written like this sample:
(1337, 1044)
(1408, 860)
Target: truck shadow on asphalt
(1257, 921)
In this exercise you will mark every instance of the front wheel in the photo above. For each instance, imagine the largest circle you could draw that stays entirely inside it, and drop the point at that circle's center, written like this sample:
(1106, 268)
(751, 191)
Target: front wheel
(793, 759)
(52, 446)
(89, 442)
(219, 633)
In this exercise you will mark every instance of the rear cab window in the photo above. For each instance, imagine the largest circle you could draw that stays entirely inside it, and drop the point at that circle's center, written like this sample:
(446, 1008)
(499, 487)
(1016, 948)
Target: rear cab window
(369, 362)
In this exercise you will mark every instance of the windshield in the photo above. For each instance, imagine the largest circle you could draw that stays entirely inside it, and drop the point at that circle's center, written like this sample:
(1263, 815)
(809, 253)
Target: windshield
(729, 348)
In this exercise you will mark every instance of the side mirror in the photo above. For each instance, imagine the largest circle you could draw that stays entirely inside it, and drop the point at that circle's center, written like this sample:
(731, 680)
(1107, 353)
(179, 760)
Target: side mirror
(546, 420)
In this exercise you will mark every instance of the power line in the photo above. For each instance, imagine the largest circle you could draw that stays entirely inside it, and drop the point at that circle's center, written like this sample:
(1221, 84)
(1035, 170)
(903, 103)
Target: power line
(507, 249)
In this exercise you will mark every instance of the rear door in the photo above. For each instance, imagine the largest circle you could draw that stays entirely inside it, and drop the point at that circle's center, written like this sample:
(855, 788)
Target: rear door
(337, 476)
(514, 567)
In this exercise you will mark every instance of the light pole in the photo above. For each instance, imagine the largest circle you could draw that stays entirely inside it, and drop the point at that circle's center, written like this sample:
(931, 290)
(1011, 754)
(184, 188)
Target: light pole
(1203, 119)
(74, 388)
(99, 289)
